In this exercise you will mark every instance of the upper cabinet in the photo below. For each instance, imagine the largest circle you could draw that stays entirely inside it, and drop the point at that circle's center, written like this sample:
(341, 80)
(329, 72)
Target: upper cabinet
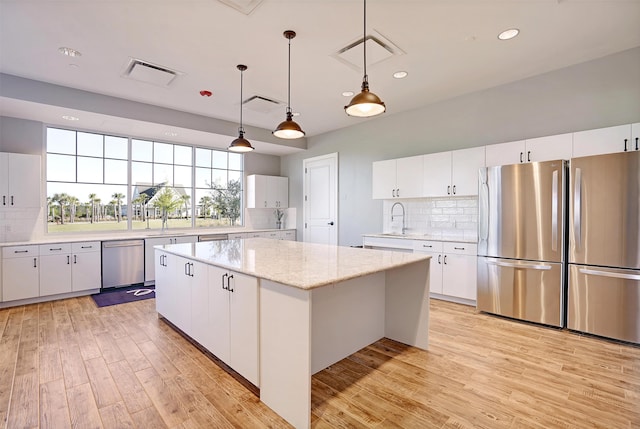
(267, 191)
(606, 140)
(397, 178)
(530, 150)
(452, 173)
(19, 180)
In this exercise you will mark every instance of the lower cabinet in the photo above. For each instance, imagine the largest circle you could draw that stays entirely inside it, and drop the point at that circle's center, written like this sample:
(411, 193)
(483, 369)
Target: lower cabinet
(20, 272)
(233, 318)
(453, 271)
(55, 269)
(149, 255)
(86, 263)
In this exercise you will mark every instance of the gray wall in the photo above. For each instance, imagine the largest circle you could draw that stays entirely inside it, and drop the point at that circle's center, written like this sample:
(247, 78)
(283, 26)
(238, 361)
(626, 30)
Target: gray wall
(596, 94)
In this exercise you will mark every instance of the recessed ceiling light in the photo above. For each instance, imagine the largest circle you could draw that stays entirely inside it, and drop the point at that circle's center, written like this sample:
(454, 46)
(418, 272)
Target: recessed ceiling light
(70, 118)
(170, 133)
(347, 93)
(508, 34)
(69, 52)
(400, 74)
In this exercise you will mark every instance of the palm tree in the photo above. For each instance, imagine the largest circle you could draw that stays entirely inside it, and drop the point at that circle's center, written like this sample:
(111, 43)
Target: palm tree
(92, 201)
(61, 199)
(143, 200)
(114, 205)
(118, 197)
(98, 203)
(166, 201)
(73, 202)
(205, 202)
(185, 199)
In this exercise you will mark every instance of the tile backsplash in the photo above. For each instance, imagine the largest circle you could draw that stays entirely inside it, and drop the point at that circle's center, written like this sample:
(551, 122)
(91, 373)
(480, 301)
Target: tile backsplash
(454, 217)
(265, 218)
(20, 224)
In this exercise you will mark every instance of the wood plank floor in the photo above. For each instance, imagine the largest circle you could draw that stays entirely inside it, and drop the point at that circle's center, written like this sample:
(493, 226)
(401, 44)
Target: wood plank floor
(70, 364)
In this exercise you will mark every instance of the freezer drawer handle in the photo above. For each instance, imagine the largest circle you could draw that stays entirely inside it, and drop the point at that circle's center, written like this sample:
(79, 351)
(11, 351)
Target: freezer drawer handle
(610, 274)
(542, 267)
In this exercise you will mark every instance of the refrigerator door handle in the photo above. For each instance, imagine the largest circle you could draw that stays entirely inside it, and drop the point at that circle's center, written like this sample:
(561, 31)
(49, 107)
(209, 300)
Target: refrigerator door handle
(524, 265)
(554, 211)
(624, 276)
(577, 208)
(483, 224)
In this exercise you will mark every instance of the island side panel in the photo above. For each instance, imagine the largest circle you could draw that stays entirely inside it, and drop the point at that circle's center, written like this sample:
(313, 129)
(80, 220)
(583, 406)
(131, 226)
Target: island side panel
(346, 317)
(285, 351)
(407, 304)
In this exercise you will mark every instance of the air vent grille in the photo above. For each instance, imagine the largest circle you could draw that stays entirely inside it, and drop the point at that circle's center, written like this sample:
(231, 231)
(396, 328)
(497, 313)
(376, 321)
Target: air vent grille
(262, 104)
(144, 71)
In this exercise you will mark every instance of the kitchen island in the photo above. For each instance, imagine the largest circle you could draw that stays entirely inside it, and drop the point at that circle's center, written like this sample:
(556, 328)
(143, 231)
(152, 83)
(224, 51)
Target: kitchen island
(277, 312)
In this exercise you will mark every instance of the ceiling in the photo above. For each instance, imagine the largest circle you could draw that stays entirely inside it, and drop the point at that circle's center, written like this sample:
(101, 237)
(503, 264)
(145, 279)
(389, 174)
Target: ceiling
(448, 48)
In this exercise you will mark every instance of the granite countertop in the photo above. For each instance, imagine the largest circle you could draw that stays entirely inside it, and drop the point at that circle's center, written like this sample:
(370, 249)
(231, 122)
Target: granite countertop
(298, 264)
(422, 237)
(129, 235)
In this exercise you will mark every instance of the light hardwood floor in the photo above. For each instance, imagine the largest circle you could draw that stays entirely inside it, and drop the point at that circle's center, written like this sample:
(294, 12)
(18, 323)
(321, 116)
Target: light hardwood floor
(70, 364)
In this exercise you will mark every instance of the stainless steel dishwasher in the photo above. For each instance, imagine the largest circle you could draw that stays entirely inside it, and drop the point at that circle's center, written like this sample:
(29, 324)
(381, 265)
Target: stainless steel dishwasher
(122, 263)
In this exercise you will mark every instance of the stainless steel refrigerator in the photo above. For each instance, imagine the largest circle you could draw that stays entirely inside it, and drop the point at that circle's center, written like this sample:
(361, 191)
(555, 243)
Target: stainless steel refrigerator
(604, 246)
(521, 236)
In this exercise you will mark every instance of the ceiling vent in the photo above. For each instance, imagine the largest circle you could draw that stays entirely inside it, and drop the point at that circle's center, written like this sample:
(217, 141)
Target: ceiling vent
(242, 6)
(261, 104)
(144, 71)
(379, 49)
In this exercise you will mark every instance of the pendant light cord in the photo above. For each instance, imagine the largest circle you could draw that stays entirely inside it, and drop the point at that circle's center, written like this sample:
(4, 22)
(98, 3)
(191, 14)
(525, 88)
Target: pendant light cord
(289, 80)
(364, 42)
(241, 130)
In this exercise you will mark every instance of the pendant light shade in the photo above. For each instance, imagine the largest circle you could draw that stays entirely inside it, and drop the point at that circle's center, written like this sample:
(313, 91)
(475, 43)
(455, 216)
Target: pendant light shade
(241, 144)
(366, 103)
(289, 129)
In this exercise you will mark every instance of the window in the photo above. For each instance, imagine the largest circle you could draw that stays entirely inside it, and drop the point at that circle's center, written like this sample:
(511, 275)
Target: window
(88, 187)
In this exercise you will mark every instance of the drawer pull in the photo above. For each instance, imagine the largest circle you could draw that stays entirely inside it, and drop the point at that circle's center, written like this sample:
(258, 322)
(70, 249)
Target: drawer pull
(459, 248)
(55, 249)
(86, 247)
(424, 245)
(20, 251)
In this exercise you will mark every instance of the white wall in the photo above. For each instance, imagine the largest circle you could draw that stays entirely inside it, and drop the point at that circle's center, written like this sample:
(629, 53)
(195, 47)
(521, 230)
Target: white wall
(599, 93)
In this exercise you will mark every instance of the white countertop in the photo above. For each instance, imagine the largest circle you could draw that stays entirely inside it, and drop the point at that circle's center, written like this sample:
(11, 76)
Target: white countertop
(293, 263)
(129, 235)
(422, 237)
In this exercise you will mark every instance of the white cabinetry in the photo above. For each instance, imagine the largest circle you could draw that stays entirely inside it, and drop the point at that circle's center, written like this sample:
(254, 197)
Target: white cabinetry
(165, 268)
(531, 150)
(20, 266)
(452, 173)
(453, 270)
(606, 140)
(397, 178)
(85, 266)
(267, 191)
(19, 180)
(149, 254)
(55, 269)
(233, 321)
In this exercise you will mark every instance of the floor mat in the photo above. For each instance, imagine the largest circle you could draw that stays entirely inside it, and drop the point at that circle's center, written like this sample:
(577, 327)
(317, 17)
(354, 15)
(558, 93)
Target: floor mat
(121, 295)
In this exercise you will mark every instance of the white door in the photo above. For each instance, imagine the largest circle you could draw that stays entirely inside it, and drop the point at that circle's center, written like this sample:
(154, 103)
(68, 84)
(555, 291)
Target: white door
(437, 174)
(321, 199)
(465, 164)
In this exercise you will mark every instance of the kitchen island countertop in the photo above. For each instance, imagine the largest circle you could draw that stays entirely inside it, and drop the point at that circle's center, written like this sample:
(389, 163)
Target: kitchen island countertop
(293, 263)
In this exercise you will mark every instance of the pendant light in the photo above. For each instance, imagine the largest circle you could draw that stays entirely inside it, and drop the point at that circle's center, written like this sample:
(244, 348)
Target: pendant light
(289, 129)
(241, 144)
(366, 103)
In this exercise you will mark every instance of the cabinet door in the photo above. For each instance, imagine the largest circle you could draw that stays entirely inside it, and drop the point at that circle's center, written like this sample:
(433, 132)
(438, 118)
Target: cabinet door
(4, 180)
(165, 265)
(20, 278)
(383, 179)
(459, 275)
(85, 271)
(505, 153)
(278, 191)
(200, 328)
(256, 191)
(55, 274)
(635, 136)
(602, 140)
(219, 314)
(465, 164)
(185, 239)
(409, 179)
(150, 256)
(434, 249)
(437, 174)
(24, 180)
(549, 148)
(243, 324)
(182, 295)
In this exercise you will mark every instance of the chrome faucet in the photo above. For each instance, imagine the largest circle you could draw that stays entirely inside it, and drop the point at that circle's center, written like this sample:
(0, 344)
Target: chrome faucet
(404, 228)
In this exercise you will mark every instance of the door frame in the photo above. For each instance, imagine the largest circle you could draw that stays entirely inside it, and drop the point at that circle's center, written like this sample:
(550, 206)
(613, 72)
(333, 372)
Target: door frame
(305, 162)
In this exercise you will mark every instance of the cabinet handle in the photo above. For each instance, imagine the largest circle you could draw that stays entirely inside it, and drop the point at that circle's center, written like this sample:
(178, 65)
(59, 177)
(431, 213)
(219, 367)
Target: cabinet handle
(528, 156)
(424, 245)
(57, 248)
(86, 247)
(20, 251)
(75, 259)
(393, 193)
(454, 189)
(265, 204)
(190, 269)
(625, 145)
(34, 263)
(636, 143)
(229, 283)
(223, 276)
(68, 259)
(521, 153)
(11, 199)
(186, 271)
(459, 248)
(4, 200)
(449, 190)
(439, 257)
(445, 259)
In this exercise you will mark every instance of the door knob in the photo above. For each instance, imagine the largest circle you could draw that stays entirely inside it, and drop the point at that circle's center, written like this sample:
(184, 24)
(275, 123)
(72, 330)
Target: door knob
(330, 223)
